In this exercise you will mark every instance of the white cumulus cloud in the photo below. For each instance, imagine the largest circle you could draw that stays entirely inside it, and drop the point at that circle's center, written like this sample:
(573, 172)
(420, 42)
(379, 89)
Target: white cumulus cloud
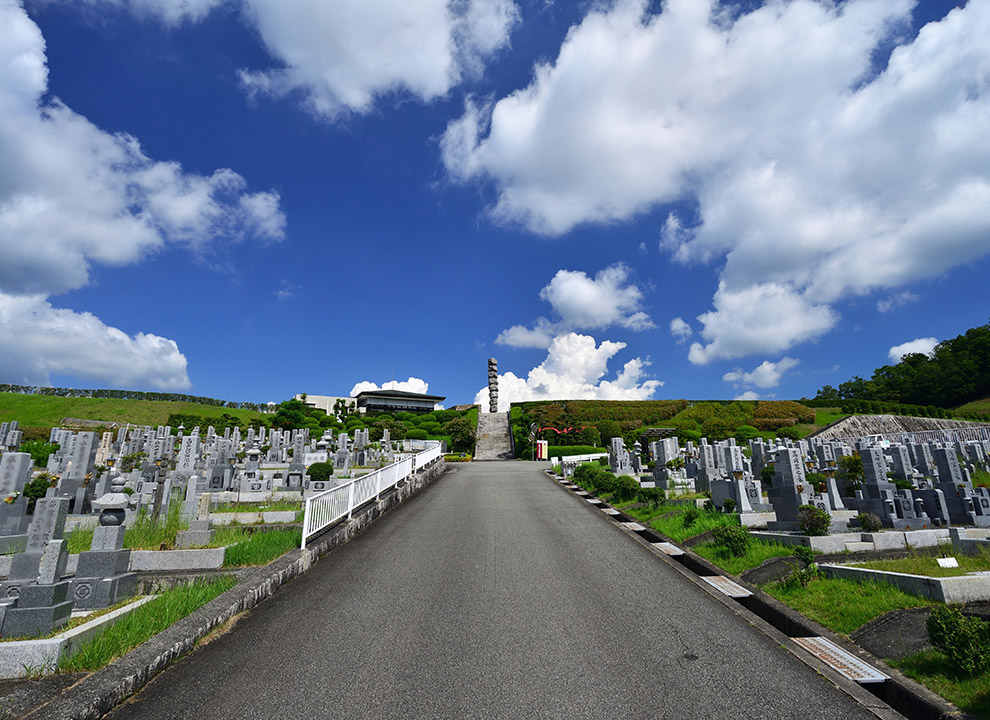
(413, 385)
(815, 175)
(73, 195)
(40, 340)
(765, 375)
(342, 55)
(584, 303)
(574, 370)
(924, 346)
(680, 329)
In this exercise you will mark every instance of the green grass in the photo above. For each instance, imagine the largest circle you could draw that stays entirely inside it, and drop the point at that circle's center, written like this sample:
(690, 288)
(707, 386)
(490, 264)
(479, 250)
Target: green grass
(272, 506)
(843, 605)
(934, 670)
(261, 548)
(978, 406)
(826, 416)
(756, 554)
(142, 624)
(673, 525)
(144, 534)
(76, 621)
(48, 411)
(926, 565)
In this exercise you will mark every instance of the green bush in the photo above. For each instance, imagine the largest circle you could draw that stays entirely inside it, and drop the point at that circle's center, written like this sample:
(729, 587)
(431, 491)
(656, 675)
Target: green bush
(814, 520)
(39, 451)
(36, 490)
(653, 497)
(626, 488)
(870, 522)
(604, 482)
(565, 450)
(690, 516)
(320, 471)
(732, 538)
(804, 553)
(417, 434)
(964, 640)
(729, 505)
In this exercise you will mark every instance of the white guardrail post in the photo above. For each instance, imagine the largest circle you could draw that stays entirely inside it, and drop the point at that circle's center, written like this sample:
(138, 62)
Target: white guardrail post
(326, 508)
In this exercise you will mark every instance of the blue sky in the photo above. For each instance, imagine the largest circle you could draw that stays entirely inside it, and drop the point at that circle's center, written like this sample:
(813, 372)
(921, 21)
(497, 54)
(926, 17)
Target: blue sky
(247, 199)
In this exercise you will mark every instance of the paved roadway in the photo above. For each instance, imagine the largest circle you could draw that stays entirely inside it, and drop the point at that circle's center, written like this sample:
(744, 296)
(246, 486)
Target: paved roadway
(491, 594)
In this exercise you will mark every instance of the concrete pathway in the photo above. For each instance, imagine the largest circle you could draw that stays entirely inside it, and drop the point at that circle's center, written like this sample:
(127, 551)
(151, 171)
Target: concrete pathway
(492, 594)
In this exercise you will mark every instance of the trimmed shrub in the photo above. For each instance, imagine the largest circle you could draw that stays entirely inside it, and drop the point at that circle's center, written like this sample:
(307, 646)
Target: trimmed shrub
(626, 488)
(814, 520)
(964, 640)
(654, 497)
(320, 471)
(728, 505)
(417, 434)
(732, 538)
(870, 522)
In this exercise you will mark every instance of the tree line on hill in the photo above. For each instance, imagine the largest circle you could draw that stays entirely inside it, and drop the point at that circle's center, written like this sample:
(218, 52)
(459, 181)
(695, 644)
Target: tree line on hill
(955, 373)
(130, 395)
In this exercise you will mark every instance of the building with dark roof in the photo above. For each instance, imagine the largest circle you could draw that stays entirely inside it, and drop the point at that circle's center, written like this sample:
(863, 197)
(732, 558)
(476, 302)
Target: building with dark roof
(391, 401)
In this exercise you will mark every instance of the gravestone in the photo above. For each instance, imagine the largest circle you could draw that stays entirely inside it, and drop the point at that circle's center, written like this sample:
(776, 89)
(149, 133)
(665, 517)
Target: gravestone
(34, 588)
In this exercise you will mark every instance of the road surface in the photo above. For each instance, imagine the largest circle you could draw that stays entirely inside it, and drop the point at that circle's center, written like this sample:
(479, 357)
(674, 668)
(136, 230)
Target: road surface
(493, 593)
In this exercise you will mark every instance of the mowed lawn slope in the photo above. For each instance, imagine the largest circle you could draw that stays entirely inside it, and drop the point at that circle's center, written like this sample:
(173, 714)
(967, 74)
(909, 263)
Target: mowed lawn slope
(48, 410)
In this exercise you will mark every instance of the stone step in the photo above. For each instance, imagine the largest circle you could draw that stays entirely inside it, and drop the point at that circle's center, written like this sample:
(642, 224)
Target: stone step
(859, 546)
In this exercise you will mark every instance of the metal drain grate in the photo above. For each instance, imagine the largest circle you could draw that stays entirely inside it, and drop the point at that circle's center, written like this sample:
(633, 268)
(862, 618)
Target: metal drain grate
(842, 661)
(634, 526)
(668, 548)
(726, 586)
(593, 501)
(610, 511)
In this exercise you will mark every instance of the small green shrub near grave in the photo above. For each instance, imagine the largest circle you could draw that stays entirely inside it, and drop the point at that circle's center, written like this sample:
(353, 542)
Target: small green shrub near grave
(142, 624)
(652, 497)
(690, 516)
(731, 538)
(870, 522)
(814, 520)
(965, 641)
(626, 488)
(934, 670)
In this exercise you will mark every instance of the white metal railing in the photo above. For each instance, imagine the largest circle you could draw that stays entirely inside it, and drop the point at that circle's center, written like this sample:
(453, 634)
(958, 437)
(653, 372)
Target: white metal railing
(577, 458)
(330, 506)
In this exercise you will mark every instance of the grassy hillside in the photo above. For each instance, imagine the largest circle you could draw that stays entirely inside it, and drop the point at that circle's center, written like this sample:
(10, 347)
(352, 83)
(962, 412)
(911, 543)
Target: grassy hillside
(48, 411)
(977, 406)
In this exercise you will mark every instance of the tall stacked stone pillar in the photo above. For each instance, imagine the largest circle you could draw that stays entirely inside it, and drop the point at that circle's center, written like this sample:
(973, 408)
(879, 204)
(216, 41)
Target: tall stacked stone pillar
(493, 385)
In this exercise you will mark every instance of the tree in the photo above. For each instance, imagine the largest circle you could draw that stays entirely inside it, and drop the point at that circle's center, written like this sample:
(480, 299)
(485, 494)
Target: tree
(461, 433)
(608, 429)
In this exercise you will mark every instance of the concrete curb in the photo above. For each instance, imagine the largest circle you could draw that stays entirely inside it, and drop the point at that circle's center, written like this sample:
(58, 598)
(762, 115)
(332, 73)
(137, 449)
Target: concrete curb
(101, 692)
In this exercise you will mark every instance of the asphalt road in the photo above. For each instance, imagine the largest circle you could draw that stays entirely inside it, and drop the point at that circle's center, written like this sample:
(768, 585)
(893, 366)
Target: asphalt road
(491, 594)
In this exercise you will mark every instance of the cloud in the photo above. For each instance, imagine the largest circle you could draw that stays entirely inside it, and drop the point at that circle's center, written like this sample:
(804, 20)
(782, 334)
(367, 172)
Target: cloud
(923, 346)
(748, 395)
(766, 318)
(40, 340)
(413, 385)
(73, 195)
(811, 180)
(539, 336)
(896, 300)
(680, 329)
(765, 375)
(584, 303)
(342, 55)
(573, 370)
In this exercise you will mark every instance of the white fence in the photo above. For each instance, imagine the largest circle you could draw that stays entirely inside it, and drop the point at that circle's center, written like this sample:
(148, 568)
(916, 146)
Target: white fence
(328, 507)
(577, 458)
